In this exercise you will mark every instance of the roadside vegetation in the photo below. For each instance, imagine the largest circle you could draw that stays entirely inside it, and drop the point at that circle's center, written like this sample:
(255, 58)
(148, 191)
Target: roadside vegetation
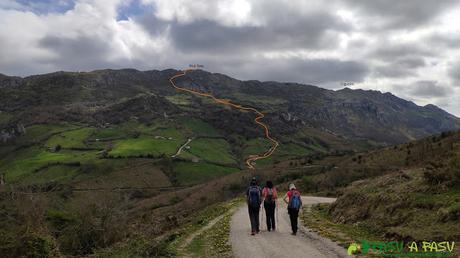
(408, 192)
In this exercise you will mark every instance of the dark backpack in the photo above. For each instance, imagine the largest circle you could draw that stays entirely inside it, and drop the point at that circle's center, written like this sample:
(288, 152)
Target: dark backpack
(295, 202)
(254, 196)
(269, 199)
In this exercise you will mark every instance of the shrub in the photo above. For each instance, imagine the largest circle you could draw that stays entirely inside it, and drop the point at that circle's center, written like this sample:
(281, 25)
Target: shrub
(175, 200)
(59, 219)
(95, 226)
(308, 185)
(437, 176)
(88, 167)
(35, 245)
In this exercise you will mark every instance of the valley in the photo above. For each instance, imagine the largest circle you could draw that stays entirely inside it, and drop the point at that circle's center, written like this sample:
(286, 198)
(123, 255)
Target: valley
(118, 161)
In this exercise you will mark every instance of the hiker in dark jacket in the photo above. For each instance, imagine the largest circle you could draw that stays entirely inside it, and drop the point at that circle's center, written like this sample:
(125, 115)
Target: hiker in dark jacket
(294, 202)
(269, 199)
(253, 198)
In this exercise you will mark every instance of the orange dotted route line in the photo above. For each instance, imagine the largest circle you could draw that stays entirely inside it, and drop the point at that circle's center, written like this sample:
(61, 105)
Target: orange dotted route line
(259, 116)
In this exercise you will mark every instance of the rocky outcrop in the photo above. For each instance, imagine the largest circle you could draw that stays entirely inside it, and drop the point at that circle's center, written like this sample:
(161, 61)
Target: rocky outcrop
(10, 133)
(9, 81)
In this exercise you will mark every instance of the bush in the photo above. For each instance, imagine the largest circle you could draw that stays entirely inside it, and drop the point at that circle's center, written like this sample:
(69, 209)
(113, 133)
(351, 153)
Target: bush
(88, 167)
(59, 219)
(100, 167)
(438, 176)
(235, 188)
(308, 185)
(96, 226)
(35, 245)
(175, 200)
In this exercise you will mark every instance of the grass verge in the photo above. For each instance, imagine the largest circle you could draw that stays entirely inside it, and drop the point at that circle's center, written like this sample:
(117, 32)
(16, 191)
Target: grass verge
(317, 219)
(211, 242)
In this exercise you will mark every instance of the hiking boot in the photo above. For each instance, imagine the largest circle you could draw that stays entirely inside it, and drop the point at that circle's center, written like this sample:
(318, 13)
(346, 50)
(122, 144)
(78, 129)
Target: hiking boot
(294, 233)
(253, 233)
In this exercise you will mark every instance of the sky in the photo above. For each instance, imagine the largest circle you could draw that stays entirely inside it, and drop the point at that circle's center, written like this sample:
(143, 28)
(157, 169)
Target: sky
(410, 48)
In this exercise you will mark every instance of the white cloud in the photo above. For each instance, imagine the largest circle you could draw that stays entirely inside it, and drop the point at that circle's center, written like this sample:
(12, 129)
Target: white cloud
(73, 40)
(225, 12)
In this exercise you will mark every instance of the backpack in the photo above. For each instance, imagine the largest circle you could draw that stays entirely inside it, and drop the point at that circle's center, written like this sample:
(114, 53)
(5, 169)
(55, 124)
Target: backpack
(254, 196)
(269, 198)
(295, 202)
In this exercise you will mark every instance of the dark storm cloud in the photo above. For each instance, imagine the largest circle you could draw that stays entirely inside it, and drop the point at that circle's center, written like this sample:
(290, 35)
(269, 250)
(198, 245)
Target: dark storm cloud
(388, 51)
(324, 72)
(82, 52)
(411, 62)
(444, 40)
(399, 60)
(399, 67)
(392, 71)
(310, 32)
(428, 89)
(397, 14)
(151, 24)
(454, 73)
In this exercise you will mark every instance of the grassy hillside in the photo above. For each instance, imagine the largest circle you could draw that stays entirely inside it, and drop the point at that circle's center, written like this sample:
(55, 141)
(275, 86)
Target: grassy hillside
(408, 192)
(405, 206)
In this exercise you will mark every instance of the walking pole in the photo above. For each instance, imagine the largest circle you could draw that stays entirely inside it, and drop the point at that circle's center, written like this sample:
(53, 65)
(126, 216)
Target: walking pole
(263, 209)
(276, 213)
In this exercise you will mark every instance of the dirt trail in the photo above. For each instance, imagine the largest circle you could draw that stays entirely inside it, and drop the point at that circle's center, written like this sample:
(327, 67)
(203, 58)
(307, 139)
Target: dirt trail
(181, 148)
(190, 238)
(280, 243)
(260, 115)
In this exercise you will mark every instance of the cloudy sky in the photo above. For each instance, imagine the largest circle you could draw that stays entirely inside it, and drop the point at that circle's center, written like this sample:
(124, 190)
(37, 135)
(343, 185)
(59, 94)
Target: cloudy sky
(410, 47)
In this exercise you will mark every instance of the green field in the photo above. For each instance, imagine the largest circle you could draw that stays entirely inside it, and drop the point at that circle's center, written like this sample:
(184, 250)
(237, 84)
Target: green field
(131, 139)
(40, 132)
(256, 146)
(28, 160)
(145, 145)
(128, 129)
(284, 151)
(71, 139)
(291, 150)
(198, 127)
(192, 173)
(170, 132)
(179, 99)
(57, 173)
(212, 150)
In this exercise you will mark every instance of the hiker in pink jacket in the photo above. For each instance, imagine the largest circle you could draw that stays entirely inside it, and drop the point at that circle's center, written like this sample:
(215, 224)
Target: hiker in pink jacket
(269, 196)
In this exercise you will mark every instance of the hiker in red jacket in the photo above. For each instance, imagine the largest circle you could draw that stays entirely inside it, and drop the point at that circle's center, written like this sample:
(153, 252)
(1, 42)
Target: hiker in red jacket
(269, 197)
(294, 202)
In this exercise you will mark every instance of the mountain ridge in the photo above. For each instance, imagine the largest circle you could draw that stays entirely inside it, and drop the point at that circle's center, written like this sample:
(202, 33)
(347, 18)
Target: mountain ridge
(361, 114)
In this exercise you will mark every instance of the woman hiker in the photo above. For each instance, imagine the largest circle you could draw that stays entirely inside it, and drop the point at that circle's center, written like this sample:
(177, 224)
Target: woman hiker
(269, 197)
(294, 202)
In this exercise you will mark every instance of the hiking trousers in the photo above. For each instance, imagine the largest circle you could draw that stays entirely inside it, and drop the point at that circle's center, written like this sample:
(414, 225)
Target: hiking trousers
(254, 217)
(293, 215)
(270, 215)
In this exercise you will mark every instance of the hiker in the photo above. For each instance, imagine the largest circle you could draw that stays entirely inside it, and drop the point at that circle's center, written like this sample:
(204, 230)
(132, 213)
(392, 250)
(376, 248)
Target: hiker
(269, 196)
(294, 202)
(253, 197)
